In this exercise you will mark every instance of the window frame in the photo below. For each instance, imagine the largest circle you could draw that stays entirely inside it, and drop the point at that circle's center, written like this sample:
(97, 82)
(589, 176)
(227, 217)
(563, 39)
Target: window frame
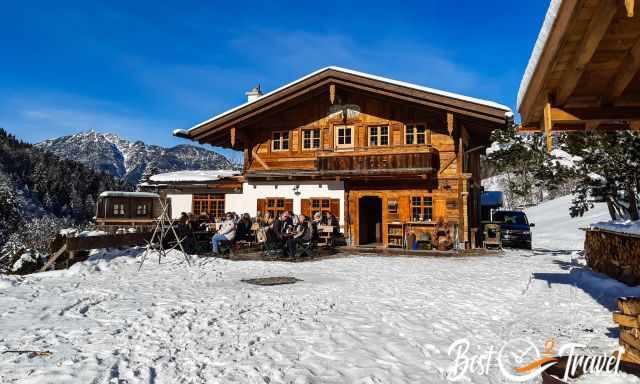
(414, 134)
(378, 135)
(311, 139)
(209, 203)
(118, 209)
(321, 206)
(142, 209)
(425, 205)
(336, 129)
(284, 136)
(275, 210)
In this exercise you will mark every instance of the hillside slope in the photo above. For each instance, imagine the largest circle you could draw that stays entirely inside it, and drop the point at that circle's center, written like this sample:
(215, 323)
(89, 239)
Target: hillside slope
(555, 229)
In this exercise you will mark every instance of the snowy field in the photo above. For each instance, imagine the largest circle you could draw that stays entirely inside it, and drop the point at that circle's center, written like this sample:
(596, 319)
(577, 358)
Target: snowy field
(351, 320)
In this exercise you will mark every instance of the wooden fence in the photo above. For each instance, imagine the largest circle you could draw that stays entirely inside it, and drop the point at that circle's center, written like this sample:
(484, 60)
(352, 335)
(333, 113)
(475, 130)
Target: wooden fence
(72, 249)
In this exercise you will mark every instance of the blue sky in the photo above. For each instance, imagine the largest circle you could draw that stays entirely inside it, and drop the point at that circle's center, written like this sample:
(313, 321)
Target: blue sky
(142, 69)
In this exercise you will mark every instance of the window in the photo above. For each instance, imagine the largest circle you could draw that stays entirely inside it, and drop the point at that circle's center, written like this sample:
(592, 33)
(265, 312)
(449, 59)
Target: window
(310, 139)
(275, 206)
(320, 205)
(415, 134)
(142, 209)
(421, 207)
(280, 141)
(344, 136)
(118, 210)
(209, 204)
(379, 135)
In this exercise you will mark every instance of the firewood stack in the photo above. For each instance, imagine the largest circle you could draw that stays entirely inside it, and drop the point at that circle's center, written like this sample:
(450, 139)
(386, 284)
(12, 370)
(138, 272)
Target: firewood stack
(628, 319)
(615, 254)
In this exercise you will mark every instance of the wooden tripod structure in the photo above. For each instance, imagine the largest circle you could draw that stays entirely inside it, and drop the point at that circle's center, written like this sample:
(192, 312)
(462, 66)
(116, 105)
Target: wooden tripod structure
(163, 229)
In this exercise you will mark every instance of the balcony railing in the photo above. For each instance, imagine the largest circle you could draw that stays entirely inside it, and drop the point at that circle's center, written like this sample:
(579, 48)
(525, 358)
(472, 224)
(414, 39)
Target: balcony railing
(375, 161)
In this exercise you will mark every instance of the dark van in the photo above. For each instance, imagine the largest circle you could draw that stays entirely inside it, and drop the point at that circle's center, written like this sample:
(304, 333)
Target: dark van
(515, 229)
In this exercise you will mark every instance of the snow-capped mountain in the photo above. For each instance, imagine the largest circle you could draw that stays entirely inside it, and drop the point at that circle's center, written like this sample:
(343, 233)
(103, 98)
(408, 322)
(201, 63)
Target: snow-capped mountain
(110, 153)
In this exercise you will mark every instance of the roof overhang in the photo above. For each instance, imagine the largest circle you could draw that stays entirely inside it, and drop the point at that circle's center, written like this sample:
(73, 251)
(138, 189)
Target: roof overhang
(220, 129)
(583, 71)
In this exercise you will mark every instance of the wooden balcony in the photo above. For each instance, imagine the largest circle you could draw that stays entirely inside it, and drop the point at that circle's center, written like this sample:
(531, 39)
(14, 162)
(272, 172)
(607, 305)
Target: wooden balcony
(368, 162)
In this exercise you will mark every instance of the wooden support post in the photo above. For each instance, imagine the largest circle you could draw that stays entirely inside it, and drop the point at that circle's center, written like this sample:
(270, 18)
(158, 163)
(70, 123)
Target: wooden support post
(630, 5)
(548, 125)
(232, 134)
(460, 166)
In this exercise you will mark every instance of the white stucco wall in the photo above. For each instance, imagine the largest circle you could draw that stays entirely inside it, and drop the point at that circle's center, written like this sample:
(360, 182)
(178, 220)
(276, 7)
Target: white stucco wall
(252, 191)
(180, 202)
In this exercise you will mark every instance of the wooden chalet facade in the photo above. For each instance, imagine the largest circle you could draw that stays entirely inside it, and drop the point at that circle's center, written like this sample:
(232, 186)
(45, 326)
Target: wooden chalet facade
(385, 157)
(584, 70)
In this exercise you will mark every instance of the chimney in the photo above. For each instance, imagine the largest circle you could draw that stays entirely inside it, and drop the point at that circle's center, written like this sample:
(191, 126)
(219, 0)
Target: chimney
(253, 94)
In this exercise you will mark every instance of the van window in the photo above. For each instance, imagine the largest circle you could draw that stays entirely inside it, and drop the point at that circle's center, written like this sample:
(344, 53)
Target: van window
(510, 218)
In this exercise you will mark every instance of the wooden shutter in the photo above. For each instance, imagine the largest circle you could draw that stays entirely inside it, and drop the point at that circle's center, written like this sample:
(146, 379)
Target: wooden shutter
(261, 206)
(439, 209)
(305, 207)
(288, 205)
(334, 208)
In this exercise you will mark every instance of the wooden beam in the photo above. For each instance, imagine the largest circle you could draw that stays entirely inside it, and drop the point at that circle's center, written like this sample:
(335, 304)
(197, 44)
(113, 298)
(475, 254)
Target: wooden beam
(626, 72)
(630, 5)
(602, 114)
(586, 48)
(232, 135)
(548, 126)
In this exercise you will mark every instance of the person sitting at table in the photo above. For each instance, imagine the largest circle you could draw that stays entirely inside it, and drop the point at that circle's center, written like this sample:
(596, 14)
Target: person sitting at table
(301, 234)
(243, 228)
(227, 232)
(315, 225)
(266, 220)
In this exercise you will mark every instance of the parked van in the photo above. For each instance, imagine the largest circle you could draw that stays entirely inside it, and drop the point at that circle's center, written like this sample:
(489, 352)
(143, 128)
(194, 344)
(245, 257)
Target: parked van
(515, 229)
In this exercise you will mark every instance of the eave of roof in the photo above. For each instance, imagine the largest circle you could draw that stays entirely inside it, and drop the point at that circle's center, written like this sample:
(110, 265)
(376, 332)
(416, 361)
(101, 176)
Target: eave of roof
(538, 48)
(481, 102)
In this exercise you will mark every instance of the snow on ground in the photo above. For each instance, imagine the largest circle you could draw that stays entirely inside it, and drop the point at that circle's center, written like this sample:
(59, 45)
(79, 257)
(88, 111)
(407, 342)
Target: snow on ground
(555, 229)
(351, 320)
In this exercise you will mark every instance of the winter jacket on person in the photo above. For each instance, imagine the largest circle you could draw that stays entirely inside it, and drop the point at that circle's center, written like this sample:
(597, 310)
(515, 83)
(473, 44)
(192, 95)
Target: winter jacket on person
(228, 229)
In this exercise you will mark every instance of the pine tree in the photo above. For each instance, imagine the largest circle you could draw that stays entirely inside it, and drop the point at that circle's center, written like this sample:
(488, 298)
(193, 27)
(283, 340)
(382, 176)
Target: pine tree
(530, 173)
(10, 217)
(609, 172)
(149, 170)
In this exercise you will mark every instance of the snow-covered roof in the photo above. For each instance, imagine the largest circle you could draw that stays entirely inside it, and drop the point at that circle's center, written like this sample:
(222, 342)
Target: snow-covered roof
(193, 176)
(538, 48)
(474, 100)
(128, 194)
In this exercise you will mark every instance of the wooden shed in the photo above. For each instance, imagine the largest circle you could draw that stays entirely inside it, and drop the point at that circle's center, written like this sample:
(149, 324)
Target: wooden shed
(116, 208)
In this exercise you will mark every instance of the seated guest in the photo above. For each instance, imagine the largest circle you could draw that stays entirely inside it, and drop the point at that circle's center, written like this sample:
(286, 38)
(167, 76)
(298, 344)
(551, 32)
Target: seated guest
(243, 228)
(184, 219)
(227, 232)
(333, 221)
(266, 220)
(315, 225)
(302, 234)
